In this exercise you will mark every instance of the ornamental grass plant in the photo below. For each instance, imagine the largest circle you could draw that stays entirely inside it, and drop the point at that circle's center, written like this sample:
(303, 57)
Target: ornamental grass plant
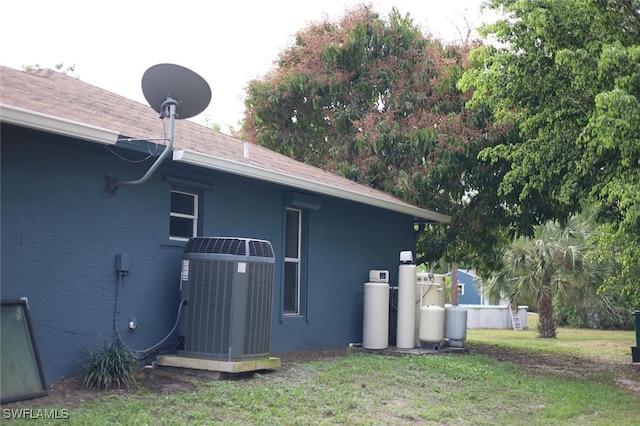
(112, 367)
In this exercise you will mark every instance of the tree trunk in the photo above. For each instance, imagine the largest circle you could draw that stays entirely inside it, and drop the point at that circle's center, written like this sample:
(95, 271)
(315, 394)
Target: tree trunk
(454, 285)
(547, 326)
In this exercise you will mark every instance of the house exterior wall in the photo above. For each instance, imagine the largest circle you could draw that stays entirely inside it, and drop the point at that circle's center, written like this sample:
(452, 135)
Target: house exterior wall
(471, 291)
(60, 235)
(345, 242)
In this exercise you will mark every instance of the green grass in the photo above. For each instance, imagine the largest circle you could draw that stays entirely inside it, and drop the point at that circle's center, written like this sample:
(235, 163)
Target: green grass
(609, 346)
(370, 389)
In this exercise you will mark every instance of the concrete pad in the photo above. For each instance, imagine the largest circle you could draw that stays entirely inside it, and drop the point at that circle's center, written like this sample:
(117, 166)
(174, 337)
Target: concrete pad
(222, 366)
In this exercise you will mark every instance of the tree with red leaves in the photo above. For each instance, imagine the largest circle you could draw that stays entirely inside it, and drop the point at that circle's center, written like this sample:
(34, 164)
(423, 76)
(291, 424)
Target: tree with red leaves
(376, 101)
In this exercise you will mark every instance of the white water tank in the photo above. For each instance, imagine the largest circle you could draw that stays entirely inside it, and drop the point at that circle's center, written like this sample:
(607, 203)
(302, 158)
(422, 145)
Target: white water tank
(406, 322)
(429, 291)
(455, 323)
(375, 326)
(432, 324)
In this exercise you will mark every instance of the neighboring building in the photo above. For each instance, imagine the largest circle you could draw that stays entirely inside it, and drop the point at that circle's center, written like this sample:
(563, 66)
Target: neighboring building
(61, 234)
(469, 288)
(480, 313)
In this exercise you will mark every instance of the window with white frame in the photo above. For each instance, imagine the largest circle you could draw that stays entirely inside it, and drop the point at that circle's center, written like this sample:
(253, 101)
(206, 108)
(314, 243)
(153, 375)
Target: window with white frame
(460, 289)
(183, 222)
(292, 260)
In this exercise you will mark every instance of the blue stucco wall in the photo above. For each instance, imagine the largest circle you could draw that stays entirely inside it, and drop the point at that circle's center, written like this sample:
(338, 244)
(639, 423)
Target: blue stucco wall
(471, 292)
(60, 236)
(345, 242)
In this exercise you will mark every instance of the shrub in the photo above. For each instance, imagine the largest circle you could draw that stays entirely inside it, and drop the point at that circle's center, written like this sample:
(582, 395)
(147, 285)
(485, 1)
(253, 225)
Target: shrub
(605, 311)
(113, 367)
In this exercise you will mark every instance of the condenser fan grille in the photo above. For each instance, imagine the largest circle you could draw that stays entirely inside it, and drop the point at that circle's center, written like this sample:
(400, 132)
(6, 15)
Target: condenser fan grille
(259, 248)
(233, 246)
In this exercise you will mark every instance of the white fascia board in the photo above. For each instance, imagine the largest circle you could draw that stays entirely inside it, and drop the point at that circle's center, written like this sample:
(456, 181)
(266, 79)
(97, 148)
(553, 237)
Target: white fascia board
(251, 171)
(50, 124)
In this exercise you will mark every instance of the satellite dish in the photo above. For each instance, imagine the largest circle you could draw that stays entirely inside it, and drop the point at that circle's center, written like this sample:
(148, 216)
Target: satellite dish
(163, 81)
(175, 92)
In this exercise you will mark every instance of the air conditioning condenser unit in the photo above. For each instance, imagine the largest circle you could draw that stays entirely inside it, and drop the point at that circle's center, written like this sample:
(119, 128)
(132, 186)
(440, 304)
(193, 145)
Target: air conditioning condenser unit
(227, 283)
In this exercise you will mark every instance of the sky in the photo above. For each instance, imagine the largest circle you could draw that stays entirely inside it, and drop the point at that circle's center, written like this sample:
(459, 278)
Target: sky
(111, 44)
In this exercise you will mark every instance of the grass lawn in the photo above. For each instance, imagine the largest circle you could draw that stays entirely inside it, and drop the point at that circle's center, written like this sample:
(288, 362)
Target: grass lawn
(584, 377)
(613, 346)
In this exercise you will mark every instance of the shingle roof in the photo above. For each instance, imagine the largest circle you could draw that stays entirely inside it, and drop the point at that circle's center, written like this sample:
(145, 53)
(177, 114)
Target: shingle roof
(57, 95)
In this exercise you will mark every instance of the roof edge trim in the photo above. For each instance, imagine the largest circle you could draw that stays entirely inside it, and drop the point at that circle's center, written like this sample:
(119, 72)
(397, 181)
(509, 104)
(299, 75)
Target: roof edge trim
(248, 170)
(51, 124)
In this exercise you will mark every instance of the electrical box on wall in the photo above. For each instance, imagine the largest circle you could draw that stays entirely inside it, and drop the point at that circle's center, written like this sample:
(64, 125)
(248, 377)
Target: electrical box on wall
(122, 263)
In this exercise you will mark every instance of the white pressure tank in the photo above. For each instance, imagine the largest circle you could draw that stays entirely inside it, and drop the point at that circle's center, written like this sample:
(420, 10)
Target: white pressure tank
(432, 325)
(375, 327)
(429, 291)
(455, 325)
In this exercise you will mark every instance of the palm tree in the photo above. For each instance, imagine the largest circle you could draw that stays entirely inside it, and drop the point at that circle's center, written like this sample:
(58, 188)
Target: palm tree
(550, 264)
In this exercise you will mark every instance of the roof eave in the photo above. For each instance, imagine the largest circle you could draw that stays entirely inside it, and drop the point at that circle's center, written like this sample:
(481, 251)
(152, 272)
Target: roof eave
(56, 125)
(252, 171)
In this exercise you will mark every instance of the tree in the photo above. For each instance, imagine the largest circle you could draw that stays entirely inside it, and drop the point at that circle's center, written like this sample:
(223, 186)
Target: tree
(70, 70)
(601, 304)
(565, 76)
(550, 264)
(376, 101)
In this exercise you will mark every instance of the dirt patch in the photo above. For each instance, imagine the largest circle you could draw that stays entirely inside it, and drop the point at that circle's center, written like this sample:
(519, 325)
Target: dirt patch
(70, 393)
(625, 375)
(166, 382)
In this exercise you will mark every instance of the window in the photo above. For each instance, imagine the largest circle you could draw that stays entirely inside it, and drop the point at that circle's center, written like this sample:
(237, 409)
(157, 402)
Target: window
(460, 289)
(184, 215)
(292, 257)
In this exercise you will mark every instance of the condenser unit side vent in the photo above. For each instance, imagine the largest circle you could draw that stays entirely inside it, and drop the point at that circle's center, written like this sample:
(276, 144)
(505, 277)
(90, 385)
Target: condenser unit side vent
(258, 320)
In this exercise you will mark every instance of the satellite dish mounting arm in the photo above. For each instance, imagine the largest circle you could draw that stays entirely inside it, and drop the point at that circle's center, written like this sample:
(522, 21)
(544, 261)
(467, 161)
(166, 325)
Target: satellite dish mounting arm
(167, 86)
(168, 109)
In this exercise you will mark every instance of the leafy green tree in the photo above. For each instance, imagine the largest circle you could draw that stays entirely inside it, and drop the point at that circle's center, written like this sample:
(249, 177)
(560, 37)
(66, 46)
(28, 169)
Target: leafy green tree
(610, 163)
(620, 288)
(598, 305)
(376, 101)
(550, 264)
(69, 70)
(564, 76)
